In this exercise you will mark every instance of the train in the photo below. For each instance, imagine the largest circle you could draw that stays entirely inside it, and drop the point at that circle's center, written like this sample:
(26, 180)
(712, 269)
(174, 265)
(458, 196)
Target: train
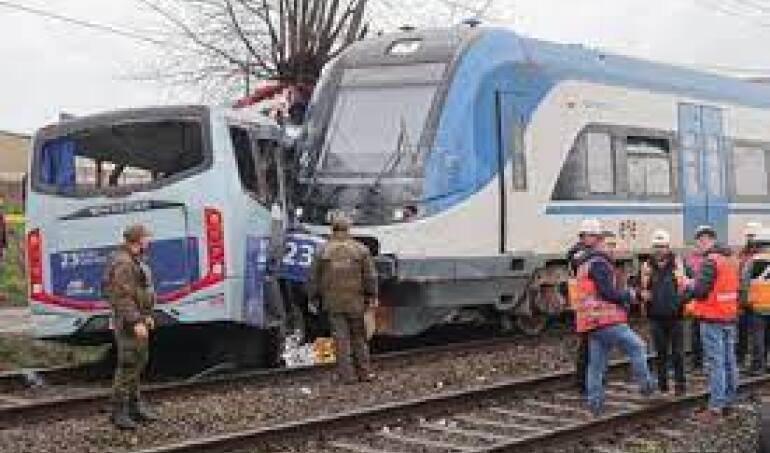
(469, 155)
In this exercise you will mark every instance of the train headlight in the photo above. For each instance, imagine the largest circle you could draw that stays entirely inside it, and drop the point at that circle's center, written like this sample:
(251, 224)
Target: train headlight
(398, 214)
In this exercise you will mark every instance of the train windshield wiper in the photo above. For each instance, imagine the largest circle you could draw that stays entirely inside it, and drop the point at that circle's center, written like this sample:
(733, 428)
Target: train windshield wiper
(393, 159)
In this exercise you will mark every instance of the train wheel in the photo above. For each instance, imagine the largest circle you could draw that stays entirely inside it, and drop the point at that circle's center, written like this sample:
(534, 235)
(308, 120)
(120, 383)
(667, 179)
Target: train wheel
(533, 324)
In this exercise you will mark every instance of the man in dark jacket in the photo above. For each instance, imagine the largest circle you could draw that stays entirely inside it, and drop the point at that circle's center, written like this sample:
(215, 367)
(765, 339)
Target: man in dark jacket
(661, 293)
(343, 278)
(129, 289)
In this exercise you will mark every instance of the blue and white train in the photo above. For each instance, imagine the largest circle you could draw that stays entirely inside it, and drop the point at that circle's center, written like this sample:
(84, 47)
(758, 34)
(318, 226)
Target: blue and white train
(470, 155)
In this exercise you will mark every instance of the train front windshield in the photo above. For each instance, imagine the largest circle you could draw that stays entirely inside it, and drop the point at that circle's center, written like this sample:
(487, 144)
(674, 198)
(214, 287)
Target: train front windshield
(370, 156)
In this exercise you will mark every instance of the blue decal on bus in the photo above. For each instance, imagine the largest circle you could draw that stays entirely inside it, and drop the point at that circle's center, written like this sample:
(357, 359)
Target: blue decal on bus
(300, 251)
(78, 274)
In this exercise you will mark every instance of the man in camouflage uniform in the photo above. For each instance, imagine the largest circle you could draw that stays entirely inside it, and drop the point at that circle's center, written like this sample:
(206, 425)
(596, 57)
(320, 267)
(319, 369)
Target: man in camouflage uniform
(128, 286)
(343, 279)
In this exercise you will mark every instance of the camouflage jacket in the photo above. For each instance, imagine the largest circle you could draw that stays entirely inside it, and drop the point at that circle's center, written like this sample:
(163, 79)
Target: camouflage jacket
(343, 276)
(128, 287)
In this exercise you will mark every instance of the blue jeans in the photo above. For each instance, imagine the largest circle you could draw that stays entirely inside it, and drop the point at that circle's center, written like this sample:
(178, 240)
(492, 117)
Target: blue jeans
(719, 351)
(757, 327)
(601, 342)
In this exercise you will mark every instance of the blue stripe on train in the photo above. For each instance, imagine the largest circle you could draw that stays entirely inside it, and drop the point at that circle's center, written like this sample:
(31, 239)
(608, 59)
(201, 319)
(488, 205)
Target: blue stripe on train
(632, 209)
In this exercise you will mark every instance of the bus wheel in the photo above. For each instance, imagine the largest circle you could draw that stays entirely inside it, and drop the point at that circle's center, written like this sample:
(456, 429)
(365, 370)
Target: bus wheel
(533, 324)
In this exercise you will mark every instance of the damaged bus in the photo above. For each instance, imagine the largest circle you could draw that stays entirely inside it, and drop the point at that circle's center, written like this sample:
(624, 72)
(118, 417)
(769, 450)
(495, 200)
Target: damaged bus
(204, 180)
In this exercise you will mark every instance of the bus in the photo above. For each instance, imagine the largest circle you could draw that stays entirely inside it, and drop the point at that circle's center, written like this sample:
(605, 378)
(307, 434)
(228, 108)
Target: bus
(206, 181)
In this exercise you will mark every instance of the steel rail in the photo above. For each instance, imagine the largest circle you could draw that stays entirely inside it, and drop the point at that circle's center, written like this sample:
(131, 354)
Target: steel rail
(64, 406)
(605, 423)
(329, 426)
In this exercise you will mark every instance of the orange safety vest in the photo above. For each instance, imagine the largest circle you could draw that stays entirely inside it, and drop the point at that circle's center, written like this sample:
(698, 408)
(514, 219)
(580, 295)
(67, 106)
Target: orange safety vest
(721, 304)
(591, 312)
(758, 296)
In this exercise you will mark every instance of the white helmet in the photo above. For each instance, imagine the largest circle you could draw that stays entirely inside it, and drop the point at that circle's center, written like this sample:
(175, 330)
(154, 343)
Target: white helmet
(752, 229)
(661, 238)
(591, 227)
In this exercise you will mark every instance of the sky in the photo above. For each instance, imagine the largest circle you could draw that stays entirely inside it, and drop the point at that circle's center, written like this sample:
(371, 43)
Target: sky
(48, 67)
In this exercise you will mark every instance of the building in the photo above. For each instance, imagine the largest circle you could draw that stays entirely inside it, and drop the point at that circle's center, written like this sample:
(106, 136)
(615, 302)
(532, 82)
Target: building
(14, 149)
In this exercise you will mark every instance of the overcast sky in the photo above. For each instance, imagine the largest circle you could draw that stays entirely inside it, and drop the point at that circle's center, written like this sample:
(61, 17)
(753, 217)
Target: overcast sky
(47, 67)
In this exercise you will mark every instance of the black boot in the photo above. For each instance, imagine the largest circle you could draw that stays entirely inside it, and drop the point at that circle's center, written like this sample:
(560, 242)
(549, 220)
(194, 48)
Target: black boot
(121, 417)
(139, 412)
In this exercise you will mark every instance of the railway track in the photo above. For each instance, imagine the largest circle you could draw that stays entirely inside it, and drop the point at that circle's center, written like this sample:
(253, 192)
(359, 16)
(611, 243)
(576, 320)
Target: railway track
(15, 410)
(522, 415)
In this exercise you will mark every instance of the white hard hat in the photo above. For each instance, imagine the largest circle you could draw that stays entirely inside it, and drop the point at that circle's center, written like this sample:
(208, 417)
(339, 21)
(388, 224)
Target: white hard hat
(592, 227)
(661, 238)
(752, 229)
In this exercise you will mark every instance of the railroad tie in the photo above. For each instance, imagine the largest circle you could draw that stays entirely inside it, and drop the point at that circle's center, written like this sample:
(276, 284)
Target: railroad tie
(603, 449)
(15, 400)
(499, 424)
(633, 398)
(356, 448)
(538, 417)
(483, 435)
(627, 405)
(556, 407)
(424, 442)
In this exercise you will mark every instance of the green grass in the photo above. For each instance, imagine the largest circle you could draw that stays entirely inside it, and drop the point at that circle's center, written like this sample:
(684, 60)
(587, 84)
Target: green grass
(21, 351)
(12, 282)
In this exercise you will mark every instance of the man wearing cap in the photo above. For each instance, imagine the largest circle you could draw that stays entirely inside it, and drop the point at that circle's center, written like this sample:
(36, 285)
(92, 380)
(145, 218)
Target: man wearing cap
(128, 287)
(660, 291)
(588, 237)
(602, 314)
(714, 302)
(344, 280)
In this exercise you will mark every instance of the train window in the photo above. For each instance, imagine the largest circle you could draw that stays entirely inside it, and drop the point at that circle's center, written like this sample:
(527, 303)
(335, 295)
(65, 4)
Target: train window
(649, 166)
(600, 162)
(750, 171)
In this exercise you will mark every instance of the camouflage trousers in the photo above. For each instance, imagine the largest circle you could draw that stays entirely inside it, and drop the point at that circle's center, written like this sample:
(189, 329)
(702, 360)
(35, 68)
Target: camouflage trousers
(352, 348)
(133, 355)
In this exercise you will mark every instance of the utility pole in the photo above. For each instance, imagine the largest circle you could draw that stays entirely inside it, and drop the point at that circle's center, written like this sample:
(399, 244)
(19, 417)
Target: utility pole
(248, 75)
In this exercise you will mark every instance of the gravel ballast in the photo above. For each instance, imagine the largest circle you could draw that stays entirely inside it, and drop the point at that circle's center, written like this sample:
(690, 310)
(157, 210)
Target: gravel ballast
(235, 407)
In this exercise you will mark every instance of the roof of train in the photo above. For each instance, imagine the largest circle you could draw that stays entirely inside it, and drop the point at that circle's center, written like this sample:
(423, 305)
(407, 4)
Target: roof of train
(576, 61)
(563, 61)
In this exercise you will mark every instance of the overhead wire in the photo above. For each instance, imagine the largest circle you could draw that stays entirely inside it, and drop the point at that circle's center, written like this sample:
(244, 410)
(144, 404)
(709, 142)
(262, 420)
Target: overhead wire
(82, 23)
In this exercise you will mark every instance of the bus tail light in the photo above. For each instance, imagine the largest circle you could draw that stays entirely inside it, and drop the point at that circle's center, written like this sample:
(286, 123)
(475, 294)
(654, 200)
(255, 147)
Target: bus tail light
(215, 244)
(35, 264)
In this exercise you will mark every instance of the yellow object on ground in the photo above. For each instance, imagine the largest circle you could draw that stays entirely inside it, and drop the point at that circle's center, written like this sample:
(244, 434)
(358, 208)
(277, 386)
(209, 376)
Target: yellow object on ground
(324, 351)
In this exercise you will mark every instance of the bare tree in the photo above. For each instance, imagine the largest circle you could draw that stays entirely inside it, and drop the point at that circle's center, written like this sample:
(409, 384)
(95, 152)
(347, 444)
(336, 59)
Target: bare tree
(223, 45)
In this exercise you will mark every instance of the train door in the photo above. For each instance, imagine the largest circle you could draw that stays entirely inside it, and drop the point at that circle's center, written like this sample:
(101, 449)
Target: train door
(510, 148)
(703, 167)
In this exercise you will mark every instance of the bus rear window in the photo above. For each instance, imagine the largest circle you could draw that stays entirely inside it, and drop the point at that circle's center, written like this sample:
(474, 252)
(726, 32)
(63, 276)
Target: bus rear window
(121, 156)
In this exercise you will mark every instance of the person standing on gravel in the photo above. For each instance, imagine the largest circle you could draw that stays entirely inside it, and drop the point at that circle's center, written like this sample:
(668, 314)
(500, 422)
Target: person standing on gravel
(343, 279)
(602, 314)
(754, 297)
(714, 302)
(587, 240)
(660, 290)
(129, 289)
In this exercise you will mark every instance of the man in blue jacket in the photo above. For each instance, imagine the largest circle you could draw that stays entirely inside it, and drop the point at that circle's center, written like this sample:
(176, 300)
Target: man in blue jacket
(604, 318)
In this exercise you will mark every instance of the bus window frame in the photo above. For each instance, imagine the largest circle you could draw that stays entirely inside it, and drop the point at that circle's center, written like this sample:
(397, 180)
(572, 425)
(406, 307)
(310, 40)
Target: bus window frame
(200, 114)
